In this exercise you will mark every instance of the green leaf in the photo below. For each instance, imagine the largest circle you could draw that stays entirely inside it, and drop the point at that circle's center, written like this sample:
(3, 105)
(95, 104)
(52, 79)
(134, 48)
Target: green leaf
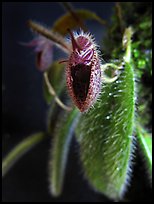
(52, 117)
(55, 75)
(145, 143)
(105, 136)
(67, 21)
(18, 151)
(60, 148)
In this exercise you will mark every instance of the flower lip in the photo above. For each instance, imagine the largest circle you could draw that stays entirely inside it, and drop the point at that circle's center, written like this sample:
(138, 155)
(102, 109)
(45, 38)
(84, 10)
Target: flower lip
(81, 80)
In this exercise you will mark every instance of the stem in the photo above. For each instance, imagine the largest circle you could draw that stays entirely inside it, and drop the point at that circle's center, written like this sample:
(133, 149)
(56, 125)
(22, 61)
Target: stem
(18, 151)
(70, 9)
(54, 37)
(120, 17)
(53, 93)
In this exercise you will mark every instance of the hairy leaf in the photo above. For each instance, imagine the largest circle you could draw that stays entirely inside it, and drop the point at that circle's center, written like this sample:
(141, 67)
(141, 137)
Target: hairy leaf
(60, 148)
(105, 136)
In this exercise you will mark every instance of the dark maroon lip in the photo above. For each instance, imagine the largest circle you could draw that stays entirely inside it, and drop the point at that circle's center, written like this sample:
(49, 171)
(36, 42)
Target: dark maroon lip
(81, 80)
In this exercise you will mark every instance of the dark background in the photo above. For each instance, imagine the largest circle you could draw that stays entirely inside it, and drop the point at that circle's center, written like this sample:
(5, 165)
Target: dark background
(24, 110)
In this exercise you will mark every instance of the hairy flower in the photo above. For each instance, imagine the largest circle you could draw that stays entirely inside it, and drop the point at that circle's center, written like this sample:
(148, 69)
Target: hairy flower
(83, 73)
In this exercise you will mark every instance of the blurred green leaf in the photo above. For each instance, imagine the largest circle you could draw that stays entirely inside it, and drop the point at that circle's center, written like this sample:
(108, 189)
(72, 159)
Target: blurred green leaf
(60, 148)
(105, 136)
(67, 21)
(19, 150)
(145, 143)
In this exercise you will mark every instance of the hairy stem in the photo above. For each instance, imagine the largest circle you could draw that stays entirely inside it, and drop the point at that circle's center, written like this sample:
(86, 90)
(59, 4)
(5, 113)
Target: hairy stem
(54, 37)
